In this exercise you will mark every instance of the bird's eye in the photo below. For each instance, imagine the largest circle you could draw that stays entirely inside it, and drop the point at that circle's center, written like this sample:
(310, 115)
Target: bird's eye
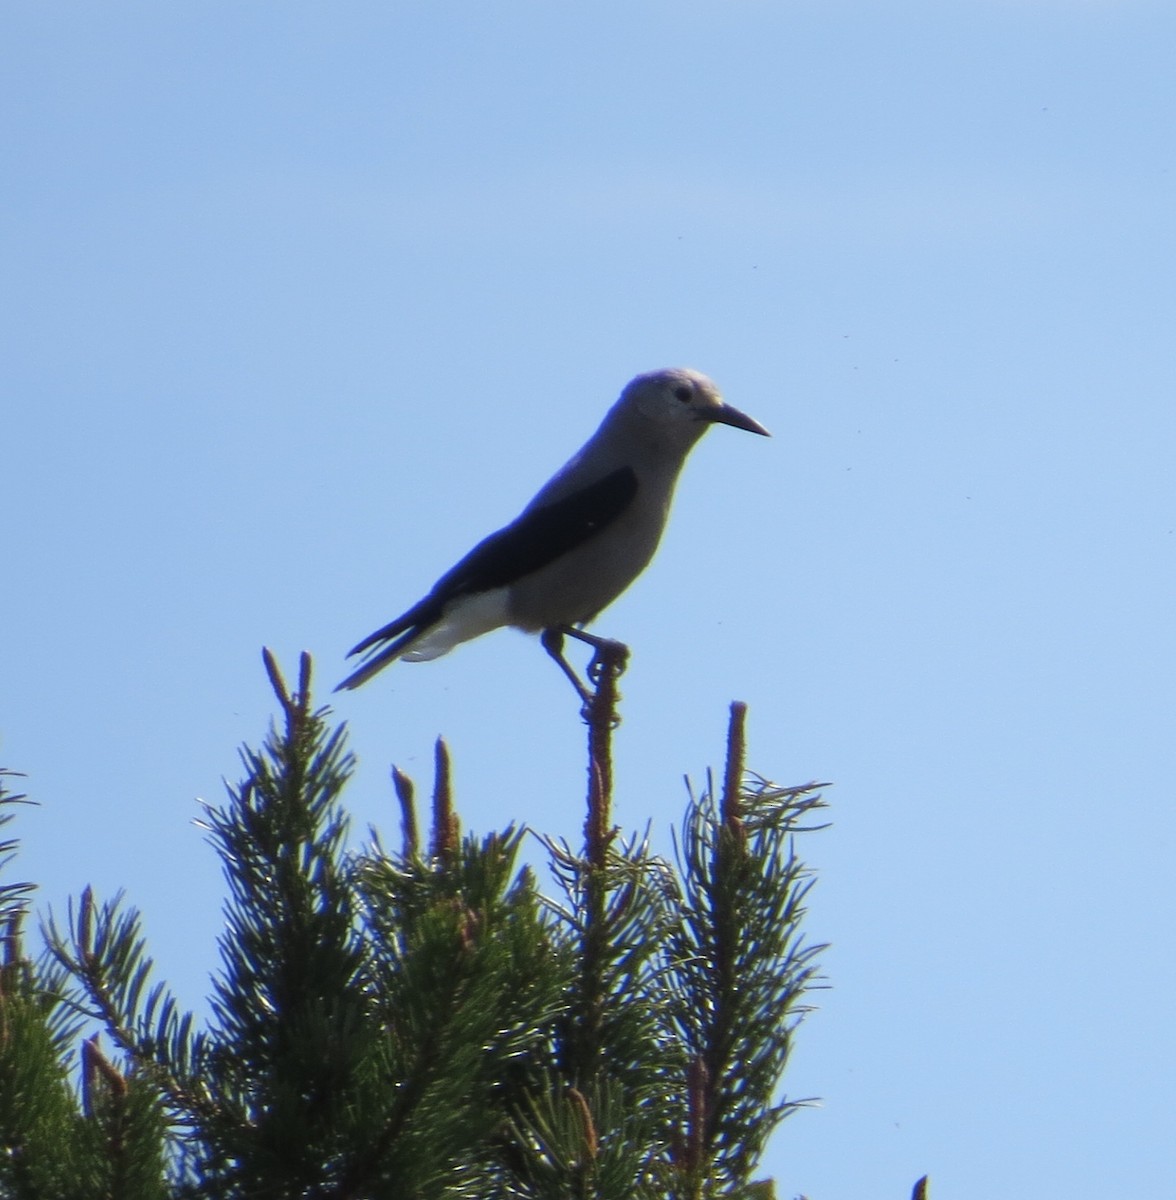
(682, 393)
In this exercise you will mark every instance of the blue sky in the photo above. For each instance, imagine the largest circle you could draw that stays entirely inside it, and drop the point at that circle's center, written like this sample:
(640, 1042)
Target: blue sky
(300, 301)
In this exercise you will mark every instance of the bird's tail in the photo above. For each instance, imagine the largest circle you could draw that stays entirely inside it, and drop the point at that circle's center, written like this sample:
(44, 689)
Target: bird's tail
(429, 630)
(388, 655)
(386, 645)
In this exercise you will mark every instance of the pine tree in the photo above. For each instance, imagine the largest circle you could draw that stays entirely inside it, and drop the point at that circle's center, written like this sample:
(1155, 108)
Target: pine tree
(424, 1023)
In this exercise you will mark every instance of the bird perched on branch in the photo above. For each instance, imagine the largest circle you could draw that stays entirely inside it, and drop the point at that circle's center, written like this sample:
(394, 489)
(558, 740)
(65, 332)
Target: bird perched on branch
(587, 534)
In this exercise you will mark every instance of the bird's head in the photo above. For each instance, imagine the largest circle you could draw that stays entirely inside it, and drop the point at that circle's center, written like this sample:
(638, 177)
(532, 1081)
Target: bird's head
(684, 401)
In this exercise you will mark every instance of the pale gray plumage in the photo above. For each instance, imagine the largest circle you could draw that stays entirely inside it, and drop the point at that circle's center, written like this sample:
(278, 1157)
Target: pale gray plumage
(587, 534)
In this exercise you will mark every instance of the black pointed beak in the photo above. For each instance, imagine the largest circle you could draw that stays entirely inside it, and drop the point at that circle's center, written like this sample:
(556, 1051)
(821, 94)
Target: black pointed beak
(726, 415)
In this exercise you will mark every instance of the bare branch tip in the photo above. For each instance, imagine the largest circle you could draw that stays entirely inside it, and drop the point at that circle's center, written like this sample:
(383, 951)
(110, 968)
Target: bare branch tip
(405, 793)
(275, 677)
(445, 825)
(736, 756)
(587, 1125)
(403, 785)
(86, 920)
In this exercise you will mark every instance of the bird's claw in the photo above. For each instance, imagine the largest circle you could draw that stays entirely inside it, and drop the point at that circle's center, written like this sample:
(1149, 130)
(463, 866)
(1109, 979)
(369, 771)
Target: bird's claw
(609, 656)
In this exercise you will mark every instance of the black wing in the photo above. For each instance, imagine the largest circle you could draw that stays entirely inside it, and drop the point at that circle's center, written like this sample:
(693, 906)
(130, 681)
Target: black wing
(537, 537)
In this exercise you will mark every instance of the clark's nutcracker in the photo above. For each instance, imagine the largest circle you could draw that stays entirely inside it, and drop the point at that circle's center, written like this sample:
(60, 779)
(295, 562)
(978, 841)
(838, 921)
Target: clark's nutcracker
(587, 534)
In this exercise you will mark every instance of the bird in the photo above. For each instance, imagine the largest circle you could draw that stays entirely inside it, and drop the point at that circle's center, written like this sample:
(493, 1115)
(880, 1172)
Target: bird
(583, 539)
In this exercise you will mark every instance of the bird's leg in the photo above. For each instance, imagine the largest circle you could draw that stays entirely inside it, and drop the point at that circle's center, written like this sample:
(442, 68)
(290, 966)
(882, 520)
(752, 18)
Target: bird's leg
(552, 642)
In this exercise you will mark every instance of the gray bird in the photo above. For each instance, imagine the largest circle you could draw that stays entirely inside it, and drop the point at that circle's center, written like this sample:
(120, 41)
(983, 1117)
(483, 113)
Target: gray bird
(587, 534)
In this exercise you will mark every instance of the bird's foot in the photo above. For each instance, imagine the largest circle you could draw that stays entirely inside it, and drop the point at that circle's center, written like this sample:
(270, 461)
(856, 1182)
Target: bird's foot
(609, 660)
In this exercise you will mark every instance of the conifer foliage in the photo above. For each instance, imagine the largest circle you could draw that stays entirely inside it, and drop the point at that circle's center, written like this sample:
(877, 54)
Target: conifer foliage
(422, 1023)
